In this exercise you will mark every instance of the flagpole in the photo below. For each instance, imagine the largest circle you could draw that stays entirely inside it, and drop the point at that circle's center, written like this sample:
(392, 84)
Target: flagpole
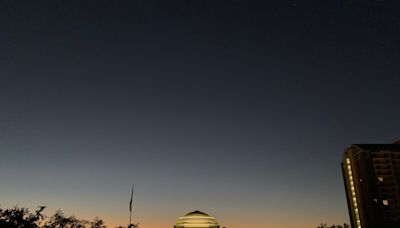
(130, 208)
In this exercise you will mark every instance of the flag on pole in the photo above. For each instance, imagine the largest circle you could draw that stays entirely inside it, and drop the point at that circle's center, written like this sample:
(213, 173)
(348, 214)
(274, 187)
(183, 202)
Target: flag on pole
(130, 202)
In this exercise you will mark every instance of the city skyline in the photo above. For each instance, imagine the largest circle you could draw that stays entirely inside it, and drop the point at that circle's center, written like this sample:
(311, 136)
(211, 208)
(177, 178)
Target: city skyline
(240, 109)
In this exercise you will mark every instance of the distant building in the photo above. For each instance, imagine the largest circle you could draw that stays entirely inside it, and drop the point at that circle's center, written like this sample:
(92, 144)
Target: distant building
(196, 219)
(371, 174)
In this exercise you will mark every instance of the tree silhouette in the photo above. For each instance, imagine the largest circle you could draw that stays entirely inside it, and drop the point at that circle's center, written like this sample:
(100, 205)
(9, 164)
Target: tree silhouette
(133, 225)
(21, 217)
(324, 225)
(58, 220)
(97, 223)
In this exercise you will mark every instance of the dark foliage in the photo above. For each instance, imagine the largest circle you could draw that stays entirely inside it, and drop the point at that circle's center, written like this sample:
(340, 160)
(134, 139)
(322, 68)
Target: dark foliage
(324, 225)
(20, 217)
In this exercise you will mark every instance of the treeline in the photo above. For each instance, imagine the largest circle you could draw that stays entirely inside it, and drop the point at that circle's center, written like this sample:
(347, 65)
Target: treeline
(20, 217)
(324, 225)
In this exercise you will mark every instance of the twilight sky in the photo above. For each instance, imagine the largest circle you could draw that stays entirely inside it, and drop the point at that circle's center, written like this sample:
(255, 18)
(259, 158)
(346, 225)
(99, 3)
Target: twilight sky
(240, 109)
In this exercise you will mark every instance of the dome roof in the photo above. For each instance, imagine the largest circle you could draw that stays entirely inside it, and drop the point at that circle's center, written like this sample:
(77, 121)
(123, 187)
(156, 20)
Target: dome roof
(197, 213)
(196, 219)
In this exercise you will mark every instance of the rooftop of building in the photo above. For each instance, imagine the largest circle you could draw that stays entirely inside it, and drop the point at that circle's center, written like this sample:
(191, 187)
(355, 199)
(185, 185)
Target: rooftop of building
(196, 218)
(379, 147)
(197, 213)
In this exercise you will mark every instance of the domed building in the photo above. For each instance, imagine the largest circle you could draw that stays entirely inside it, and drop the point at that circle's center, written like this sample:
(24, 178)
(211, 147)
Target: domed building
(196, 219)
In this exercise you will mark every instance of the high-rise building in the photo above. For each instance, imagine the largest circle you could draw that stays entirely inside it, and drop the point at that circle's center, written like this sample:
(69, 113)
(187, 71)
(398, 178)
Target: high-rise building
(371, 174)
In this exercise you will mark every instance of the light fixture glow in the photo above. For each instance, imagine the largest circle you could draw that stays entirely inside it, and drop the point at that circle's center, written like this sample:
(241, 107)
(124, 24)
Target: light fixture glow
(353, 192)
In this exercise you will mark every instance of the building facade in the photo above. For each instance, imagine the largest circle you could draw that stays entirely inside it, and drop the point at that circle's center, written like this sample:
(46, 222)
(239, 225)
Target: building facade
(196, 219)
(371, 174)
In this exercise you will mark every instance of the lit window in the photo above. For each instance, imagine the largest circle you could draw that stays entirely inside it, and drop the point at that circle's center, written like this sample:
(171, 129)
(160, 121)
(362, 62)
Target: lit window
(353, 193)
(380, 179)
(385, 202)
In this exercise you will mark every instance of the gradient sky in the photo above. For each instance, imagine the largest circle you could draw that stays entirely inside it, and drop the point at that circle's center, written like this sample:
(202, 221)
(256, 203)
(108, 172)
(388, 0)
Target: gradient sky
(240, 109)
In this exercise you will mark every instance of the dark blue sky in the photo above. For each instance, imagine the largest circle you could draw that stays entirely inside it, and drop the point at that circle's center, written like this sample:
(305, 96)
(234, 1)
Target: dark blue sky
(238, 108)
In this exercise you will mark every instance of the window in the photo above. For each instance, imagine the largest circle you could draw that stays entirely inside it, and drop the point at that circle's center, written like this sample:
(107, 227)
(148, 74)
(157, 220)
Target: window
(380, 179)
(385, 202)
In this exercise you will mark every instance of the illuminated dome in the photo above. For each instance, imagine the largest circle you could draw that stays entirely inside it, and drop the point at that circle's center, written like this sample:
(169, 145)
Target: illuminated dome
(196, 219)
